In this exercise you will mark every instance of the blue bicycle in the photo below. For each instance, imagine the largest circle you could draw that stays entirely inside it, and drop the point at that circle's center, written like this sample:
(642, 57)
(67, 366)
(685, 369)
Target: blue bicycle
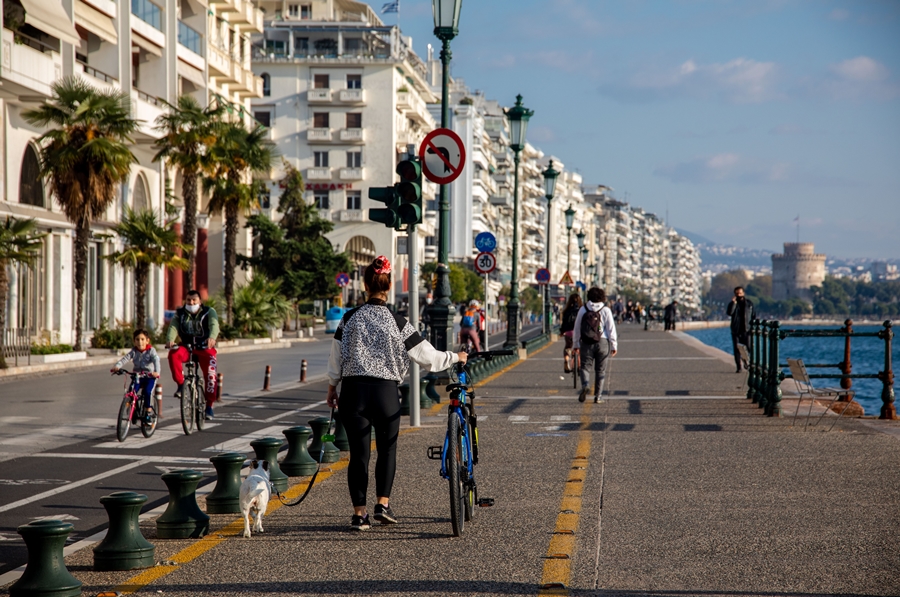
(459, 454)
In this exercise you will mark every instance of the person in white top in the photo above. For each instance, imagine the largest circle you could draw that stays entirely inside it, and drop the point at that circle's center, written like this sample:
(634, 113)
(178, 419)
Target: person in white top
(595, 339)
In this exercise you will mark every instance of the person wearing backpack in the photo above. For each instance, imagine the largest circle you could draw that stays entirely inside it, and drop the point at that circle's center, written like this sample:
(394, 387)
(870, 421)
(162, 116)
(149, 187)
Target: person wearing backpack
(470, 324)
(567, 327)
(595, 340)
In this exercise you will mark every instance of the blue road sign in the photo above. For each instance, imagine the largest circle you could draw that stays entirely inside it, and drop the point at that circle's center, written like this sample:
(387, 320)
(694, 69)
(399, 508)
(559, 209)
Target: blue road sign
(485, 242)
(580, 284)
(542, 276)
(342, 279)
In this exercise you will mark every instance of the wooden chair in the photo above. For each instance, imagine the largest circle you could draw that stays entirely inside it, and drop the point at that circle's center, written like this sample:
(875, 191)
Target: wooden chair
(805, 388)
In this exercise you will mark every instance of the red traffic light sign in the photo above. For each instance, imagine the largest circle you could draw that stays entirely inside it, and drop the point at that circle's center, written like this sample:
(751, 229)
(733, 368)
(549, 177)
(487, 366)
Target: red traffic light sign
(443, 156)
(485, 263)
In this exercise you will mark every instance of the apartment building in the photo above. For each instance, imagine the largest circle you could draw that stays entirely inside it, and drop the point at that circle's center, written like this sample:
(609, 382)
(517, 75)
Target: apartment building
(344, 96)
(152, 50)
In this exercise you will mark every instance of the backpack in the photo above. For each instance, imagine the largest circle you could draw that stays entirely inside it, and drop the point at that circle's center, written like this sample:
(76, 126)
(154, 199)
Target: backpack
(568, 319)
(468, 320)
(591, 325)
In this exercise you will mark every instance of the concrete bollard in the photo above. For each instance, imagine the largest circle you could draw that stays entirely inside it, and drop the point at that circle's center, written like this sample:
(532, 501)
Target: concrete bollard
(183, 518)
(124, 547)
(45, 574)
(220, 383)
(303, 370)
(268, 380)
(298, 462)
(226, 497)
(310, 331)
(340, 434)
(319, 427)
(266, 448)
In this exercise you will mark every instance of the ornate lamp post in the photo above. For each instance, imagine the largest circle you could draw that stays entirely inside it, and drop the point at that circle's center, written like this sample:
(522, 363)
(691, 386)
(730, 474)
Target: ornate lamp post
(570, 219)
(550, 175)
(580, 237)
(518, 117)
(446, 23)
(584, 268)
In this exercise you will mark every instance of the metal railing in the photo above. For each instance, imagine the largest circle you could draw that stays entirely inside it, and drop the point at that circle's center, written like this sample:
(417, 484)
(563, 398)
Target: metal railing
(766, 372)
(149, 98)
(36, 44)
(90, 70)
(16, 344)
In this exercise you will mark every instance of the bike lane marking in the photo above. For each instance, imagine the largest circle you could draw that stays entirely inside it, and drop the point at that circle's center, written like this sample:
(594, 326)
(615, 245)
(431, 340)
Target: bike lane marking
(162, 435)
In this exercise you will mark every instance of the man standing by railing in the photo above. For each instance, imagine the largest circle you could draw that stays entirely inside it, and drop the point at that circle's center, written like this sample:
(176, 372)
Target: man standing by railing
(741, 311)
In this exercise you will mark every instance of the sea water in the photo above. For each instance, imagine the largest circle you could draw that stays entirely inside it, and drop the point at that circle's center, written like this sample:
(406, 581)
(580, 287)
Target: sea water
(866, 357)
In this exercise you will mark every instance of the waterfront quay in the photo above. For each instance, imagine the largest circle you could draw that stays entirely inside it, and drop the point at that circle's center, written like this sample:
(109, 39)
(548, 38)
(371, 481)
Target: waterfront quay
(675, 484)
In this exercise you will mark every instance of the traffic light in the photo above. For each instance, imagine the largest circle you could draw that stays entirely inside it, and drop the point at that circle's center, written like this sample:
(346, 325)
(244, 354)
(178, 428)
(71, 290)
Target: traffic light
(386, 215)
(409, 190)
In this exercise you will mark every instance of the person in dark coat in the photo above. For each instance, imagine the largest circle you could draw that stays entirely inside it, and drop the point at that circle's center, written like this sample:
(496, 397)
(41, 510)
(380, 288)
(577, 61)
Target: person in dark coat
(670, 315)
(741, 311)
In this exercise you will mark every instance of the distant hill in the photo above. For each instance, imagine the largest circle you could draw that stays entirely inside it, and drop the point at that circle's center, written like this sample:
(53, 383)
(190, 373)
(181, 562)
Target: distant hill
(718, 258)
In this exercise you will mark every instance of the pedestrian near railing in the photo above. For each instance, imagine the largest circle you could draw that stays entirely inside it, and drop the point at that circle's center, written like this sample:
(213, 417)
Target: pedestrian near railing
(767, 372)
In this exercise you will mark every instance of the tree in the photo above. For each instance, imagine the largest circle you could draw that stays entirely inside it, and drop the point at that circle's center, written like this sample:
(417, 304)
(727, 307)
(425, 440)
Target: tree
(187, 132)
(231, 161)
(85, 158)
(294, 251)
(147, 243)
(258, 306)
(465, 284)
(20, 242)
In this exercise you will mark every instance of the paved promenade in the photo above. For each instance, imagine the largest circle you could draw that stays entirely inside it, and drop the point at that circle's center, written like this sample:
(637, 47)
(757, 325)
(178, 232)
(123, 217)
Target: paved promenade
(674, 485)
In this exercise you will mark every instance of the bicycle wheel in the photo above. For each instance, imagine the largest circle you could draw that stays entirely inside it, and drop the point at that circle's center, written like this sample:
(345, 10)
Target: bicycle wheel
(199, 408)
(469, 497)
(187, 406)
(454, 465)
(123, 424)
(147, 428)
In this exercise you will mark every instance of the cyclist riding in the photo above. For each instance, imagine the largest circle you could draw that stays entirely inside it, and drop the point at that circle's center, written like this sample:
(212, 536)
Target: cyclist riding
(197, 326)
(145, 359)
(471, 324)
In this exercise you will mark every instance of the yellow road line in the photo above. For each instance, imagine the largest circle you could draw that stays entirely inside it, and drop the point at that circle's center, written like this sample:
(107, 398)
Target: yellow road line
(558, 561)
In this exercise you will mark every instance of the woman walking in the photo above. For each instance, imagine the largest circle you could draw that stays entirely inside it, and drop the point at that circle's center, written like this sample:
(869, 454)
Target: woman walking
(370, 355)
(567, 325)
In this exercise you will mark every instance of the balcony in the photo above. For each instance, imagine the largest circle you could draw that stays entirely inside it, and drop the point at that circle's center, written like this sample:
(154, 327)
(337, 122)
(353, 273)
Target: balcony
(351, 174)
(414, 107)
(352, 96)
(97, 78)
(318, 96)
(30, 64)
(318, 174)
(146, 108)
(318, 135)
(352, 135)
(350, 215)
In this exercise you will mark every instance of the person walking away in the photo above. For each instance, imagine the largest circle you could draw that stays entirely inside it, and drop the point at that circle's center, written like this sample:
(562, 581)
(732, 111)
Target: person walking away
(595, 340)
(671, 315)
(370, 355)
(567, 326)
(143, 358)
(197, 325)
(741, 311)
(469, 325)
(619, 310)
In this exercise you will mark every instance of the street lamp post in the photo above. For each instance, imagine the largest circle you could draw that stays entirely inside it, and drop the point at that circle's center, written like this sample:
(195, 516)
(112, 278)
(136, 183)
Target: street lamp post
(584, 268)
(518, 117)
(580, 237)
(446, 27)
(550, 175)
(570, 219)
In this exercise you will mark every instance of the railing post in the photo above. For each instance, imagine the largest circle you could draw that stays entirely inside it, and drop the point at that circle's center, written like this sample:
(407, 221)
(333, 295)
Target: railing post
(754, 360)
(762, 385)
(773, 404)
(846, 365)
(888, 410)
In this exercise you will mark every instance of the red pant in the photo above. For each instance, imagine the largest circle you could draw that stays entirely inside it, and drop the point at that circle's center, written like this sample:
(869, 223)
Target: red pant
(207, 357)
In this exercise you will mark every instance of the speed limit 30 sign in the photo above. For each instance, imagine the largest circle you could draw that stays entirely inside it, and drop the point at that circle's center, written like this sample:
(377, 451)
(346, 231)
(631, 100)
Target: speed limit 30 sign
(485, 263)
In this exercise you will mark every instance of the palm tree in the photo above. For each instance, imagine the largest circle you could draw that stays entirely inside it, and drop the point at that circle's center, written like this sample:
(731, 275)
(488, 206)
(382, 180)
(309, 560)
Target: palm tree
(188, 131)
(232, 160)
(147, 243)
(20, 242)
(84, 157)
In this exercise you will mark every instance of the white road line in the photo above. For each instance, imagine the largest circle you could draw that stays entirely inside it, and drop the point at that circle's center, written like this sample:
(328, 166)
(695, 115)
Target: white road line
(170, 459)
(560, 418)
(518, 418)
(483, 398)
(242, 444)
(294, 412)
(16, 420)
(137, 442)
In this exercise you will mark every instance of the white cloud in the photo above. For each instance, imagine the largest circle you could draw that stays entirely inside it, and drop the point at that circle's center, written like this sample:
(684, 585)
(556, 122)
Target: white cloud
(861, 69)
(737, 169)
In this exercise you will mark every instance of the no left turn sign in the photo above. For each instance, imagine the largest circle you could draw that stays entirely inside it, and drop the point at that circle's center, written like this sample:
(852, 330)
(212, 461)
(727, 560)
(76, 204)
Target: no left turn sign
(443, 156)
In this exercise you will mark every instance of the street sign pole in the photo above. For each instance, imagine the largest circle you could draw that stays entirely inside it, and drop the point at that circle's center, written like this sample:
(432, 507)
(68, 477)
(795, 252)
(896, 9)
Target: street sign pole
(487, 320)
(414, 385)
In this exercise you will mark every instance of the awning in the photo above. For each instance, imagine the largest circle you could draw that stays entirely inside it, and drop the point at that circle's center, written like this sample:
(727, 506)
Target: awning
(191, 74)
(50, 17)
(96, 22)
(145, 44)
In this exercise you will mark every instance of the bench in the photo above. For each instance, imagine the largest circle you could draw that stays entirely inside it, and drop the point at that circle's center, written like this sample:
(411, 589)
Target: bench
(805, 388)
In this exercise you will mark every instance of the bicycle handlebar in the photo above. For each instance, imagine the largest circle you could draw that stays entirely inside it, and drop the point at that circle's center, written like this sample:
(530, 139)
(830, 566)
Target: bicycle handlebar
(132, 373)
(491, 354)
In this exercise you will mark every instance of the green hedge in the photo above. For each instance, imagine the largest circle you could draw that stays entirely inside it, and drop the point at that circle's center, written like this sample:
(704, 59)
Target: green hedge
(50, 348)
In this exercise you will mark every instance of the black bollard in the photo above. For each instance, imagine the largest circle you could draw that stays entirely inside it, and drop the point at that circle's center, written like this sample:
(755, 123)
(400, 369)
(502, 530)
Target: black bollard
(302, 369)
(183, 518)
(268, 378)
(226, 497)
(266, 448)
(124, 547)
(319, 427)
(425, 400)
(45, 574)
(298, 462)
(340, 434)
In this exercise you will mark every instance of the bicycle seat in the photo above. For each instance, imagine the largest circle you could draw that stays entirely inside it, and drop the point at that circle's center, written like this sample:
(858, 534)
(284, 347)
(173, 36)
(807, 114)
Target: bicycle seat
(455, 386)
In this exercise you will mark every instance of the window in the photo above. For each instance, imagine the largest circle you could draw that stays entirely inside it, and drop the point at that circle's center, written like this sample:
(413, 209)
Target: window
(147, 12)
(274, 46)
(306, 11)
(31, 191)
(430, 241)
(320, 82)
(190, 38)
(301, 46)
(321, 199)
(354, 159)
(267, 84)
(265, 200)
(354, 46)
(294, 10)
(320, 159)
(354, 199)
(354, 81)
(431, 205)
(320, 120)
(264, 117)
(140, 200)
(354, 120)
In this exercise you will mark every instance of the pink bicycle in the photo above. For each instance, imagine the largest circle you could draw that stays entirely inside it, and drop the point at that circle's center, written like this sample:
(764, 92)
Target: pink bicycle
(134, 408)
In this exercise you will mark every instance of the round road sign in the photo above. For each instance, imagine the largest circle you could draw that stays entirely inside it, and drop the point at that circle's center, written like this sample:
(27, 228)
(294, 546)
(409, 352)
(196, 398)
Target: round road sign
(485, 242)
(485, 263)
(443, 156)
(542, 276)
(342, 279)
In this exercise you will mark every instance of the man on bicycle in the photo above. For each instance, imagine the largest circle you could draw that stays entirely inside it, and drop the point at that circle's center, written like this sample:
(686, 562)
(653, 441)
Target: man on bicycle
(470, 324)
(197, 326)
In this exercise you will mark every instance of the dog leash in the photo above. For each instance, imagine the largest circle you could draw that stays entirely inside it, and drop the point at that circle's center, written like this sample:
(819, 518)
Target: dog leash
(327, 437)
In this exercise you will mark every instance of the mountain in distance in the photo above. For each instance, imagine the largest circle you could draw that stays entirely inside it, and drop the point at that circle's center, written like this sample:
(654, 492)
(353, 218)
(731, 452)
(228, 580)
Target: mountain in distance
(717, 258)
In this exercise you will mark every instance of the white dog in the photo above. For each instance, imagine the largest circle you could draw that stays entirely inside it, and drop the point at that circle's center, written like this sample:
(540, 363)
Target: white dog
(255, 491)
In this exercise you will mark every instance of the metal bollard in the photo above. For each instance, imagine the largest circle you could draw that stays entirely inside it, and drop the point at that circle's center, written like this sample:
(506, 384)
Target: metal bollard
(183, 518)
(45, 574)
(319, 426)
(424, 400)
(268, 379)
(158, 394)
(340, 434)
(303, 370)
(298, 462)
(124, 547)
(888, 409)
(266, 448)
(226, 497)
(220, 383)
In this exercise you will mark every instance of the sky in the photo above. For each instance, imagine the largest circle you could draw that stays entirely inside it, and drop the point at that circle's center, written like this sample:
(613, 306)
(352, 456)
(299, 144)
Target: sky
(735, 117)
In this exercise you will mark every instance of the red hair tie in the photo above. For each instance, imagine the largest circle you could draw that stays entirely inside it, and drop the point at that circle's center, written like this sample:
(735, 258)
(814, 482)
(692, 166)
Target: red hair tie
(382, 265)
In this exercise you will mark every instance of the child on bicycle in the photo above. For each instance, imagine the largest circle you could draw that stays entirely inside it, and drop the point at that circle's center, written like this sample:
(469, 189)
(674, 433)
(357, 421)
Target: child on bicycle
(143, 358)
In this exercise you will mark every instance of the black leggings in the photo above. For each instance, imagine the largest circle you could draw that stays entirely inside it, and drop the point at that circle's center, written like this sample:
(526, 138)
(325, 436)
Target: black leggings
(367, 402)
